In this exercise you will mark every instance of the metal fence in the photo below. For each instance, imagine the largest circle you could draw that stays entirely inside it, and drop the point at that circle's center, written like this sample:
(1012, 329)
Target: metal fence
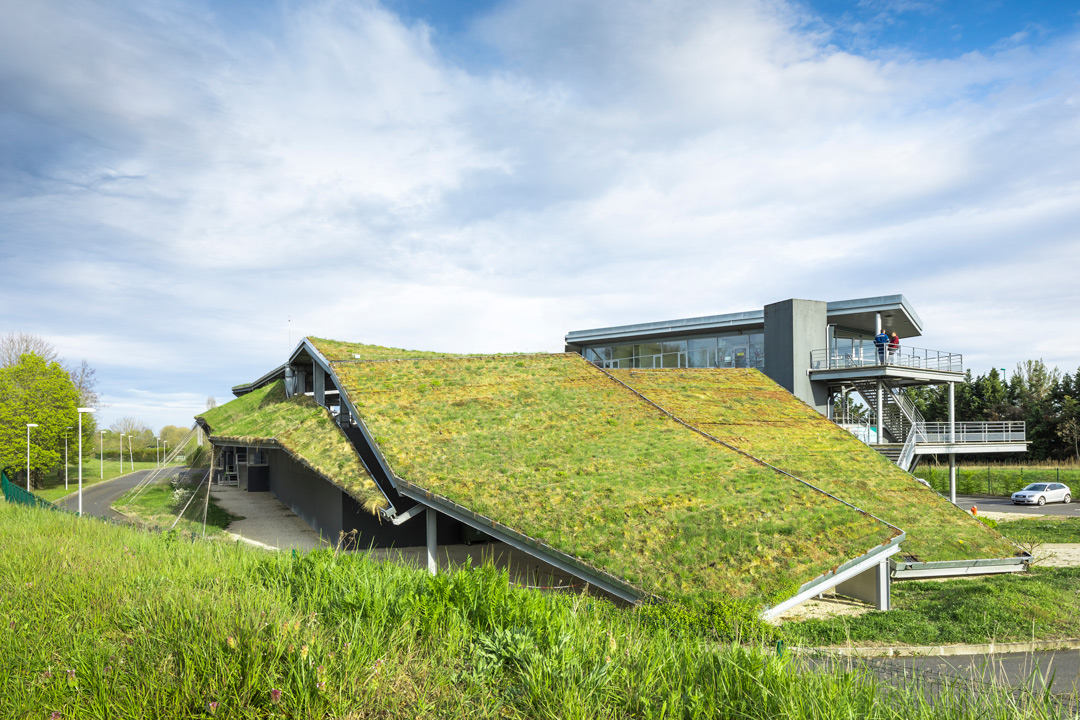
(868, 355)
(1001, 481)
(972, 432)
(15, 494)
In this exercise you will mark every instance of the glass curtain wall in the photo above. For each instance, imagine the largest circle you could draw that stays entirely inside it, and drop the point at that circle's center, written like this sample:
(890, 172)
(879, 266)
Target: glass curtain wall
(719, 351)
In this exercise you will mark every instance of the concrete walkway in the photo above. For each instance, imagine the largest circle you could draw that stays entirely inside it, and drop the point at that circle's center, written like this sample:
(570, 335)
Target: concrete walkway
(266, 521)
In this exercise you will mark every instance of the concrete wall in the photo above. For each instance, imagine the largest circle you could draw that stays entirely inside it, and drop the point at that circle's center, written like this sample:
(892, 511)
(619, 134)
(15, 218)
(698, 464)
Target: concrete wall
(308, 495)
(794, 328)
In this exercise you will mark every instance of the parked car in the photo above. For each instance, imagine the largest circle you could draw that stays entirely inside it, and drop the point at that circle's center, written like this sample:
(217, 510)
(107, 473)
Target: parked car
(1042, 493)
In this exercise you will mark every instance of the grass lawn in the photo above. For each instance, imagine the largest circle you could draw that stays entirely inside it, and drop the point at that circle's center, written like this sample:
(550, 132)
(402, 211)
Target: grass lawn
(1044, 529)
(92, 471)
(105, 621)
(157, 506)
(1042, 604)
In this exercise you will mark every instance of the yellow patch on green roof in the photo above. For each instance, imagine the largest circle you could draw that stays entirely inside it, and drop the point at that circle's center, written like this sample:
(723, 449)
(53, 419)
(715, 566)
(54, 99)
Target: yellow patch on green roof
(550, 447)
(751, 412)
(304, 429)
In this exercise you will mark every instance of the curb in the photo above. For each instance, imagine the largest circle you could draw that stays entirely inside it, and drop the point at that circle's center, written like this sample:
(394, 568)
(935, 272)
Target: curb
(942, 650)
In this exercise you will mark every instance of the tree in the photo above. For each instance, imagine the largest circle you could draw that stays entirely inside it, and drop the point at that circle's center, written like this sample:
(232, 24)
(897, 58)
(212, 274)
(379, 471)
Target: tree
(14, 345)
(84, 378)
(34, 390)
(211, 403)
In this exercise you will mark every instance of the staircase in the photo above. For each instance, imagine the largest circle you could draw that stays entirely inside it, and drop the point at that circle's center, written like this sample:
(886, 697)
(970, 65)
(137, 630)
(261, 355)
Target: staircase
(898, 414)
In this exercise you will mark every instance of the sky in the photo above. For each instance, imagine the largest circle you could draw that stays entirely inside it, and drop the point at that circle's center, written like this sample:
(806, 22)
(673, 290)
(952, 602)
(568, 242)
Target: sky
(188, 188)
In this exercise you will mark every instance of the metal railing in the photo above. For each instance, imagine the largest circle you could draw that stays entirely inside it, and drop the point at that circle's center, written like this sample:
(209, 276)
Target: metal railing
(869, 355)
(15, 494)
(907, 453)
(971, 432)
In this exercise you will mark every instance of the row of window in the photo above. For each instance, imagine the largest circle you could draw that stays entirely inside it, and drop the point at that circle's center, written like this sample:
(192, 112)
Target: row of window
(718, 351)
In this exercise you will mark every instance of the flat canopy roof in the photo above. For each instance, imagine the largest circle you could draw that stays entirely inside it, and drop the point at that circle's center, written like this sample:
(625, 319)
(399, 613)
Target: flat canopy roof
(897, 315)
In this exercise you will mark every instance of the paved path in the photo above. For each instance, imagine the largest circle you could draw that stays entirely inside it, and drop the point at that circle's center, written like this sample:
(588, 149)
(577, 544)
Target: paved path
(1057, 669)
(266, 521)
(1005, 505)
(97, 499)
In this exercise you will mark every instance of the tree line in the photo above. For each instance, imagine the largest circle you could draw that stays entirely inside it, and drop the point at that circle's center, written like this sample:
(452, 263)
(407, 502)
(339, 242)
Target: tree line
(37, 388)
(1046, 399)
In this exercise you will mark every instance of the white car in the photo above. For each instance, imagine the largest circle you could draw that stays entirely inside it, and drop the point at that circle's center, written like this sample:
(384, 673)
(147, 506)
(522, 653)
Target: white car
(1042, 493)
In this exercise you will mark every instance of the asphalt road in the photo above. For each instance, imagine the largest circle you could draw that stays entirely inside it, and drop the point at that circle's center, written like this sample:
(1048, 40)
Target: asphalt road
(1056, 670)
(1059, 670)
(97, 499)
(1005, 505)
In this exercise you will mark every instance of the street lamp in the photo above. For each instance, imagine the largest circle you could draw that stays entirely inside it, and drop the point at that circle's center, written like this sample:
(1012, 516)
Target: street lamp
(28, 426)
(122, 452)
(81, 411)
(157, 455)
(131, 456)
(66, 458)
(101, 448)
(164, 450)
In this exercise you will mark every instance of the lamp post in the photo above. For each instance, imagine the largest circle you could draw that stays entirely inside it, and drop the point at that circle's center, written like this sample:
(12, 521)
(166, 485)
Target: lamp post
(101, 448)
(131, 456)
(81, 411)
(164, 449)
(28, 426)
(66, 457)
(122, 453)
(157, 454)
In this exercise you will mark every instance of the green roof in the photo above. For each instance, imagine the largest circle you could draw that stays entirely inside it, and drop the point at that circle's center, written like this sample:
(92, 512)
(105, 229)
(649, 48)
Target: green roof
(749, 411)
(552, 448)
(303, 429)
(336, 350)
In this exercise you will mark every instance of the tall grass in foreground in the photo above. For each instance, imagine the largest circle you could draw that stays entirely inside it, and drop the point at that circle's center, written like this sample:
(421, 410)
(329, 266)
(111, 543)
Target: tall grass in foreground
(101, 621)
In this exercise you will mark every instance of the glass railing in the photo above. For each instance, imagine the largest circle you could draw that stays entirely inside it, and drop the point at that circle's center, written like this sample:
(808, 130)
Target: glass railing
(869, 355)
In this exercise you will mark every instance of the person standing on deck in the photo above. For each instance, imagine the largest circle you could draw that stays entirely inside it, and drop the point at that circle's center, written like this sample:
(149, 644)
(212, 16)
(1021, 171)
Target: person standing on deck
(894, 348)
(882, 342)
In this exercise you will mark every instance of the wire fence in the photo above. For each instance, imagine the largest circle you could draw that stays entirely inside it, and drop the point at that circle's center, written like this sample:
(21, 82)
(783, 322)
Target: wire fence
(1000, 481)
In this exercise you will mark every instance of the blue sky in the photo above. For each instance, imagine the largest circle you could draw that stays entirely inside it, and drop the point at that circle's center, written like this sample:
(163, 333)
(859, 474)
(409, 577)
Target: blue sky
(186, 188)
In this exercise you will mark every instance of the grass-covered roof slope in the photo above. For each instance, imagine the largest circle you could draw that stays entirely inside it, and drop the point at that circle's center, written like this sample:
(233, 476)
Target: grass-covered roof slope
(334, 350)
(552, 448)
(305, 430)
(751, 412)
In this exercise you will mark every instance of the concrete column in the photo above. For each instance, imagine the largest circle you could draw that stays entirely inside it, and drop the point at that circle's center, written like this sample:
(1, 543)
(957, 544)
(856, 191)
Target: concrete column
(432, 542)
(880, 413)
(344, 418)
(877, 323)
(319, 377)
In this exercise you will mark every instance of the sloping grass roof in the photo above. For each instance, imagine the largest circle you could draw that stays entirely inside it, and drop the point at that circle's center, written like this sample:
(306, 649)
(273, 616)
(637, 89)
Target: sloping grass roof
(748, 410)
(304, 429)
(336, 350)
(554, 449)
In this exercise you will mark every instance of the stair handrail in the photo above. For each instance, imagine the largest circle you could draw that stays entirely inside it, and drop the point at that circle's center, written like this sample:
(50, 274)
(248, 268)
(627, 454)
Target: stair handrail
(907, 453)
(913, 415)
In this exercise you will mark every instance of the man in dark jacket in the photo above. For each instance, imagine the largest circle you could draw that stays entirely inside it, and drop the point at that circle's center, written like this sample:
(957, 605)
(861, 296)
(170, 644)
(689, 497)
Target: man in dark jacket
(882, 341)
